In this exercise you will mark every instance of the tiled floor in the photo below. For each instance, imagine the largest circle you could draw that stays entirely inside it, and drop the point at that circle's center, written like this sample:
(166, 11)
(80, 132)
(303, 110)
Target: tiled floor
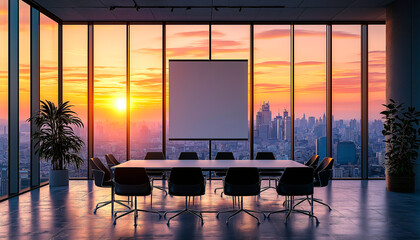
(361, 210)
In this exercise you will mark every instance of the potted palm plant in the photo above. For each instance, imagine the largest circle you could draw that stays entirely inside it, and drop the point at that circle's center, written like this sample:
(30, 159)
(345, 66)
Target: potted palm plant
(56, 141)
(401, 134)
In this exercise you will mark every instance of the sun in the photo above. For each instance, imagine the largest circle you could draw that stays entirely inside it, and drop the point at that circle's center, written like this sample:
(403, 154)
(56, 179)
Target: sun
(120, 104)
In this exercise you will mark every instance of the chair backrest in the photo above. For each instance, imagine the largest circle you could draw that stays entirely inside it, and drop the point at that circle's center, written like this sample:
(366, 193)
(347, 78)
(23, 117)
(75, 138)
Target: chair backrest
(296, 181)
(111, 160)
(154, 156)
(99, 171)
(224, 156)
(132, 182)
(327, 163)
(130, 176)
(186, 176)
(188, 156)
(242, 175)
(323, 172)
(313, 161)
(265, 156)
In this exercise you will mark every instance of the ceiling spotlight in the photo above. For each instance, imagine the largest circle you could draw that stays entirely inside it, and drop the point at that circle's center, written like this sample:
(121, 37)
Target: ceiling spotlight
(240, 9)
(111, 8)
(188, 8)
(215, 8)
(137, 8)
(172, 9)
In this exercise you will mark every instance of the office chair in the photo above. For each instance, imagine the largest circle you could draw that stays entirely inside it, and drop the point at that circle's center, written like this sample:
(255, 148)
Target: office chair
(313, 161)
(132, 182)
(156, 173)
(111, 161)
(102, 178)
(186, 182)
(222, 156)
(188, 156)
(268, 173)
(322, 176)
(242, 181)
(296, 181)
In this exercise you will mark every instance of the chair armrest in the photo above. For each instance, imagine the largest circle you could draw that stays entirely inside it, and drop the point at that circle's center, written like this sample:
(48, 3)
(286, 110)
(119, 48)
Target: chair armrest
(98, 176)
(324, 177)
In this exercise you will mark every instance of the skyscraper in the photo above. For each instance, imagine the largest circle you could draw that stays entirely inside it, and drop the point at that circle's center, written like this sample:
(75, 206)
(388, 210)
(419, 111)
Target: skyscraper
(346, 153)
(321, 147)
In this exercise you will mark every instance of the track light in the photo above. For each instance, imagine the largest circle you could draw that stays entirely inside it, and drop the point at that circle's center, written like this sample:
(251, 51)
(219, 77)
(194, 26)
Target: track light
(217, 9)
(111, 8)
(240, 9)
(172, 9)
(188, 8)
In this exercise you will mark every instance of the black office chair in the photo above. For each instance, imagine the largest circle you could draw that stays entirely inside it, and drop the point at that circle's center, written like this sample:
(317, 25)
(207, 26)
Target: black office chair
(188, 156)
(132, 182)
(222, 156)
(186, 182)
(156, 173)
(313, 161)
(242, 182)
(322, 176)
(271, 174)
(102, 178)
(111, 161)
(296, 181)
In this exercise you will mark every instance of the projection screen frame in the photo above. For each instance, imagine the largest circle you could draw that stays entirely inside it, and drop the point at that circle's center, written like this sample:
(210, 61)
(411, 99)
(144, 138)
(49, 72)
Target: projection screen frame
(209, 139)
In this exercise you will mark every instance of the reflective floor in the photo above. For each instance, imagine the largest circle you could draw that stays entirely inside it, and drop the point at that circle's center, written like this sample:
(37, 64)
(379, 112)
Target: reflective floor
(361, 210)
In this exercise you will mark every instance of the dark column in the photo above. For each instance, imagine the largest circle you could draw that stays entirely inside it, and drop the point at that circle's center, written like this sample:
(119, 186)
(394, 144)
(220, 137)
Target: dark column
(403, 60)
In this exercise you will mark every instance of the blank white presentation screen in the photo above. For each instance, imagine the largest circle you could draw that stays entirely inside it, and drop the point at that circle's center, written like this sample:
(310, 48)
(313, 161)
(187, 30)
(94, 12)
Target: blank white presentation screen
(208, 99)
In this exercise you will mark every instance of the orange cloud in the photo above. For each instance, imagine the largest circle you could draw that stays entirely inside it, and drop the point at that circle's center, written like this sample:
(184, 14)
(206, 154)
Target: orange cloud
(273, 64)
(272, 34)
(309, 63)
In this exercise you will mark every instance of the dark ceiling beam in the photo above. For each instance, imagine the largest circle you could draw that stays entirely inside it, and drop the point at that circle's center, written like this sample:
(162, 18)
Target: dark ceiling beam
(43, 10)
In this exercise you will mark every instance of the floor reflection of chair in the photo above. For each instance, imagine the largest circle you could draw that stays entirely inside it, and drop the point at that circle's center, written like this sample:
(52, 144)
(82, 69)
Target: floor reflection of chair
(242, 182)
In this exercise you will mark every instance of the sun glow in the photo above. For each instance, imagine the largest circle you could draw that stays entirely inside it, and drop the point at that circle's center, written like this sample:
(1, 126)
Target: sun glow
(120, 104)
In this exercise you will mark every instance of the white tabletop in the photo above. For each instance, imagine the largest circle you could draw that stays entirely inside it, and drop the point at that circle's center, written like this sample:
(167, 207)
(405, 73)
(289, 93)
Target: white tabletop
(211, 164)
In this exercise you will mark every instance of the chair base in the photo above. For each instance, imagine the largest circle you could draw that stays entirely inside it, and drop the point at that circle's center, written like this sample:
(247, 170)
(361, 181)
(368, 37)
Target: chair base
(103, 204)
(241, 209)
(317, 200)
(185, 210)
(135, 211)
(292, 209)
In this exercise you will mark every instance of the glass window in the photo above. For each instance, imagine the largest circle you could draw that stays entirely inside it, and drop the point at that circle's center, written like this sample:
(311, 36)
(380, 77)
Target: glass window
(185, 42)
(377, 97)
(272, 90)
(4, 26)
(310, 91)
(346, 97)
(75, 83)
(231, 42)
(145, 90)
(24, 95)
(48, 71)
(110, 91)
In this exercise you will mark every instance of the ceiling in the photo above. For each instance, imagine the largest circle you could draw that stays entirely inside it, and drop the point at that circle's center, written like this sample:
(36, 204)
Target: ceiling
(294, 10)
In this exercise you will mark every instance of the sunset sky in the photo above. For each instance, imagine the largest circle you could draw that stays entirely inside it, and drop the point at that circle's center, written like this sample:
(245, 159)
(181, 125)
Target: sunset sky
(272, 65)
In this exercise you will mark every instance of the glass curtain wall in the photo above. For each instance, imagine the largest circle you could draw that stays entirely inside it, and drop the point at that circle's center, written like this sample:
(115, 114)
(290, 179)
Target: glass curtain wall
(232, 42)
(272, 90)
(185, 42)
(4, 162)
(377, 97)
(24, 95)
(75, 83)
(145, 90)
(346, 99)
(110, 91)
(48, 71)
(310, 92)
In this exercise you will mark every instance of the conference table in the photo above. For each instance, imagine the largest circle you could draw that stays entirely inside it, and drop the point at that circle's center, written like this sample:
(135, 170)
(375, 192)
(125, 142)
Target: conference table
(206, 165)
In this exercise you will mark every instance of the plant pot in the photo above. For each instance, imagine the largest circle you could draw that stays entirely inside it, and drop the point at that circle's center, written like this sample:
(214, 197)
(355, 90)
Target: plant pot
(59, 178)
(402, 184)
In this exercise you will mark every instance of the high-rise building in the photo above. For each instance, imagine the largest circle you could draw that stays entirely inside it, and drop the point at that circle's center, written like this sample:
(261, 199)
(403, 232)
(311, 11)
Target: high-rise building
(346, 153)
(287, 129)
(321, 147)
